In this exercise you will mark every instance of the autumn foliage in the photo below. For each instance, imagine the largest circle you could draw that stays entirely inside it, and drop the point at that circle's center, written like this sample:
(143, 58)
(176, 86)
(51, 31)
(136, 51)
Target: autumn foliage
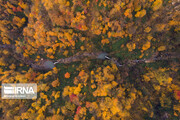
(91, 89)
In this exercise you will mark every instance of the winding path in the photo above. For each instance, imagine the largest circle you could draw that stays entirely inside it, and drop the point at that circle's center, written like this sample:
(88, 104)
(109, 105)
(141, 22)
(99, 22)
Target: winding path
(45, 65)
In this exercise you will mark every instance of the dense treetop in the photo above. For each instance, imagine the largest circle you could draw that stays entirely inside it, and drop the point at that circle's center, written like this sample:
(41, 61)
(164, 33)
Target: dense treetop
(92, 89)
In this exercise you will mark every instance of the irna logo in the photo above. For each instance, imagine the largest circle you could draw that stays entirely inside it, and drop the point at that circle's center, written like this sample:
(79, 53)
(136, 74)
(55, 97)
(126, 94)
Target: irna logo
(19, 91)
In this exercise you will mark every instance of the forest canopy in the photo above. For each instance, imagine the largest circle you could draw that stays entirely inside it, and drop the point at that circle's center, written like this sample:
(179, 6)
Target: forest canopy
(91, 59)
